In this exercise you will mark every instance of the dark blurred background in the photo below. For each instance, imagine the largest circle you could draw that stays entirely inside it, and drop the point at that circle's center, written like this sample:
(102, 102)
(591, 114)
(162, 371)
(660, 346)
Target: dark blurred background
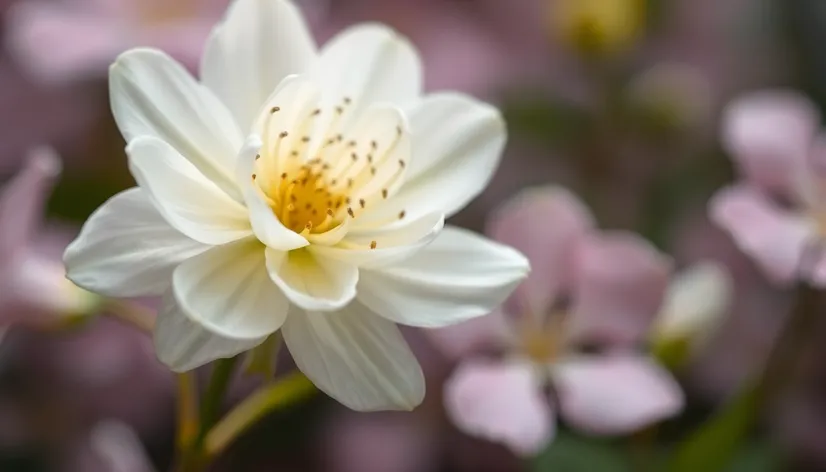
(618, 100)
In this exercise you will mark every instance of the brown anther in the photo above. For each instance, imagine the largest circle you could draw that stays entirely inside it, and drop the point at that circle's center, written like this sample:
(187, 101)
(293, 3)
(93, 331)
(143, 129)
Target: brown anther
(347, 200)
(325, 166)
(253, 176)
(352, 144)
(309, 225)
(347, 100)
(305, 139)
(374, 145)
(354, 156)
(319, 190)
(315, 212)
(317, 112)
(283, 134)
(339, 110)
(338, 204)
(401, 215)
(399, 130)
(294, 153)
(330, 212)
(372, 170)
(257, 156)
(349, 183)
(339, 138)
(275, 109)
(308, 206)
(293, 197)
(283, 175)
(372, 245)
(334, 182)
(350, 212)
(304, 181)
(362, 203)
(384, 193)
(370, 158)
(401, 163)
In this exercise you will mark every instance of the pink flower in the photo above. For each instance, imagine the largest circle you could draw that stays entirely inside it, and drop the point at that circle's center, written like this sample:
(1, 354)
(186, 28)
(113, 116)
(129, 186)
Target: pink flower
(615, 284)
(772, 137)
(78, 39)
(33, 285)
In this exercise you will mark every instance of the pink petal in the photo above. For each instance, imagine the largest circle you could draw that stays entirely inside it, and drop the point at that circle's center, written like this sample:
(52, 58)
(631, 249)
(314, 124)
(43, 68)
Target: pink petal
(22, 201)
(501, 402)
(545, 224)
(615, 394)
(57, 43)
(769, 133)
(485, 333)
(774, 238)
(621, 285)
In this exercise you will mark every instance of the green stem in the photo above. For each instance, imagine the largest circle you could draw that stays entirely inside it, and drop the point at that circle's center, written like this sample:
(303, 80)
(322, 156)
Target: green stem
(194, 458)
(782, 363)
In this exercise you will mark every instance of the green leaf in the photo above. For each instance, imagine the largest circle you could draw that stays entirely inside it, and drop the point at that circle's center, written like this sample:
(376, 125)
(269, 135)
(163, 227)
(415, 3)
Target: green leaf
(570, 453)
(713, 446)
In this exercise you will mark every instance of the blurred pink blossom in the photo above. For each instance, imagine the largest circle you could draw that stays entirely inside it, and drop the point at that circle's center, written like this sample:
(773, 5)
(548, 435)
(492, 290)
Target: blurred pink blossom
(615, 284)
(78, 39)
(33, 285)
(777, 213)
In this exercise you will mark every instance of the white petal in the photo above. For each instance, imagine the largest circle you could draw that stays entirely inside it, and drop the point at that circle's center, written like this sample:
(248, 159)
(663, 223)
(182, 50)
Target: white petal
(312, 282)
(696, 303)
(266, 226)
(127, 249)
(183, 343)
(227, 290)
(369, 63)
(356, 357)
(459, 142)
(152, 95)
(459, 276)
(393, 243)
(259, 43)
(188, 200)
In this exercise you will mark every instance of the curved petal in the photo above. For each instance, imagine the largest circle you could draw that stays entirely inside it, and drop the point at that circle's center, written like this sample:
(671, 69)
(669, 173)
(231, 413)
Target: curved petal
(23, 200)
(458, 144)
(393, 244)
(356, 357)
(259, 43)
(622, 280)
(489, 333)
(311, 282)
(615, 394)
(774, 238)
(696, 304)
(127, 249)
(228, 291)
(188, 201)
(501, 402)
(769, 134)
(546, 224)
(119, 447)
(152, 95)
(266, 226)
(369, 63)
(183, 343)
(459, 276)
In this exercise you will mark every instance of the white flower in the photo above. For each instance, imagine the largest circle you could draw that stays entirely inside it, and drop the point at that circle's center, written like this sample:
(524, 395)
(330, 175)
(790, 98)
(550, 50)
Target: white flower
(326, 221)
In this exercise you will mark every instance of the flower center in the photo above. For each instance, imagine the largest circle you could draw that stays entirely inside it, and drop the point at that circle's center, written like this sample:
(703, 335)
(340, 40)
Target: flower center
(542, 340)
(320, 168)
